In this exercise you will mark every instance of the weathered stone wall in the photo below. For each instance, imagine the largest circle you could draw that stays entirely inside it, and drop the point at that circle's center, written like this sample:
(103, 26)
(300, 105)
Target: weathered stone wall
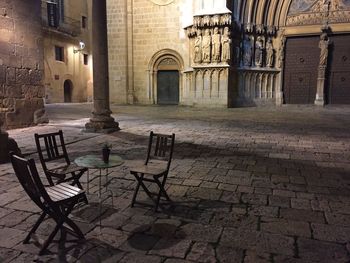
(21, 62)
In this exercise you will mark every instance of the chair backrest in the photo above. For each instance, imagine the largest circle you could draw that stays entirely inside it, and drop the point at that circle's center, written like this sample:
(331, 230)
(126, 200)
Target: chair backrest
(51, 147)
(160, 147)
(29, 178)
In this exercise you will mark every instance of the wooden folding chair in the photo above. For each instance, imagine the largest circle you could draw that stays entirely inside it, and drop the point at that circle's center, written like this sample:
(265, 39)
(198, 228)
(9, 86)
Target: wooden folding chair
(156, 167)
(56, 201)
(51, 148)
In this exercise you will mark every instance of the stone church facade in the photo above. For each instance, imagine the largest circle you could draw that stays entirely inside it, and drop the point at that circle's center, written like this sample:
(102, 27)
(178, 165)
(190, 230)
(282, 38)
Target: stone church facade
(216, 53)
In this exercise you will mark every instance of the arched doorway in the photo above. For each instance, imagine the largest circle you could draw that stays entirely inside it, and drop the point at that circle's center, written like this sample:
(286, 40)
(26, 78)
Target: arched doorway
(68, 89)
(165, 77)
(168, 82)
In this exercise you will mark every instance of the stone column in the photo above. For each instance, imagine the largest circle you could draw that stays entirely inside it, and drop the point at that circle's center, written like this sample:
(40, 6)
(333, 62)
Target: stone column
(101, 120)
(321, 79)
(321, 82)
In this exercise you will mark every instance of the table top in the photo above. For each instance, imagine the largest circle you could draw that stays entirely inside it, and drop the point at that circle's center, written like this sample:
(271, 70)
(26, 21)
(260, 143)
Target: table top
(96, 162)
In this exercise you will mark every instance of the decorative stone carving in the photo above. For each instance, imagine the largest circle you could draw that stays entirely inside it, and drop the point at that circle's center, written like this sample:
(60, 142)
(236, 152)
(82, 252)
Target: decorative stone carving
(271, 30)
(313, 12)
(269, 53)
(215, 20)
(211, 39)
(259, 52)
(323, 45)
(206, 21)
(322, 67)
(212, 20)
(167, 62)
(226, 45)
(198, 47)
(206, 46)
(226, 19)
(216, 45)
(281, 52)
(248, 51)
(260, 29)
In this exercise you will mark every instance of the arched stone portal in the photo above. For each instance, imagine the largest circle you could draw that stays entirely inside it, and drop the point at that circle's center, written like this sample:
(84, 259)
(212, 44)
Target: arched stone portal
(165, 77)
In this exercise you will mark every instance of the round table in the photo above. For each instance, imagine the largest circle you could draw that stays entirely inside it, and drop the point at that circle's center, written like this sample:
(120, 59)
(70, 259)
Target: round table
(96, 162)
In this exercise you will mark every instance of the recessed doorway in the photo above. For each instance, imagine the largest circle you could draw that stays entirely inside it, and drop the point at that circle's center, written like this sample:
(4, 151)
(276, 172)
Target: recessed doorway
(68, 89)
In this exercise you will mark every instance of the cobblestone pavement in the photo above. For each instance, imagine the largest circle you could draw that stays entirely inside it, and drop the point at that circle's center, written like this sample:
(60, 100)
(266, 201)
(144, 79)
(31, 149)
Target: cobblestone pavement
(248, 185)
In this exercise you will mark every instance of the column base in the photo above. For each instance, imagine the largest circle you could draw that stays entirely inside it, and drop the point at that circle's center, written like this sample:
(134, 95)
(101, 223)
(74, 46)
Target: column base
(319, 102)
(103, 125)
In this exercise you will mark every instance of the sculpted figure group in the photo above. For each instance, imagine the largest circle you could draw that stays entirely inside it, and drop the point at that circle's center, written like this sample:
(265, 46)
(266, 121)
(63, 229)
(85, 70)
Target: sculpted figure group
(264, 54)
(212, 47)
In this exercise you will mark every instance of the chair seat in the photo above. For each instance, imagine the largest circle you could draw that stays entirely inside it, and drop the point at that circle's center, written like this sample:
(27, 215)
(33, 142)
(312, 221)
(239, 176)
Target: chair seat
(66, 169)
(63, 192)
(152, 168)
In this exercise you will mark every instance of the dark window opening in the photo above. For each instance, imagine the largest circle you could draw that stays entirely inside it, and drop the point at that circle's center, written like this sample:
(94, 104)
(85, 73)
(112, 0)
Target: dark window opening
(86, 59)
(61, 9)
(59, 53)
(84, 22)
(52, 14)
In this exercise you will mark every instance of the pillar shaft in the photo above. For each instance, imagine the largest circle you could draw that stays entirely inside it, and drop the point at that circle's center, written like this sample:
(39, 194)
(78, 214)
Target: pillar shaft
(101, 119)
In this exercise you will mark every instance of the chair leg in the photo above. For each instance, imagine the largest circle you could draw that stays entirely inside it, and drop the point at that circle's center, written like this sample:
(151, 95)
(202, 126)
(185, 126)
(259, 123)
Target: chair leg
(69, 222)
(161, 191)
(35, 227)
(136, 189)
(52, 235)
(161, 186)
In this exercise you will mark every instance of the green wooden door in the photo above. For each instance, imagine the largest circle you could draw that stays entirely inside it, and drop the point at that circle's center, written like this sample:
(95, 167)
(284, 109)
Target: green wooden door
(168, 87)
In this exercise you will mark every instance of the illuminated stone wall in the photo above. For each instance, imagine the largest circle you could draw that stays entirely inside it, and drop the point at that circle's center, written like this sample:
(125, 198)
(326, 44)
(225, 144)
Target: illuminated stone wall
(21, 62)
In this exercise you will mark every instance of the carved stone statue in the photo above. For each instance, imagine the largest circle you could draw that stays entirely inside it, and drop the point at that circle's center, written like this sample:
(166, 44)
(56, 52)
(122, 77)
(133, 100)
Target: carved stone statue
(216, 44)
(198, 48)
(247, 47)
(269, 53)
(323, 45)
(226, 45)
(281, 53)
(206, 46)
(259, 52)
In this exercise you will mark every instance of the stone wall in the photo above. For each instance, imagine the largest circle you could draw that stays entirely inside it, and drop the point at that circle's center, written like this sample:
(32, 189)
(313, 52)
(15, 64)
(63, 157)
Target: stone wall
(136, 34)
(21, 62)
(118, 50)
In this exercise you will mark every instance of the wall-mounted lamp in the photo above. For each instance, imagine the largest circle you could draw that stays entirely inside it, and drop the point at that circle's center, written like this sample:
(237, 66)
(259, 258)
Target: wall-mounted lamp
(81, 47)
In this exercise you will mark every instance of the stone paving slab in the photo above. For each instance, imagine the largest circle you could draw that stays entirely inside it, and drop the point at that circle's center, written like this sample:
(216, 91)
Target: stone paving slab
(247, 185)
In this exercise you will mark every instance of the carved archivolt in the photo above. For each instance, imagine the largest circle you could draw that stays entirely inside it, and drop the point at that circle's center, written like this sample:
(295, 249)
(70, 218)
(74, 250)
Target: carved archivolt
(313, 12)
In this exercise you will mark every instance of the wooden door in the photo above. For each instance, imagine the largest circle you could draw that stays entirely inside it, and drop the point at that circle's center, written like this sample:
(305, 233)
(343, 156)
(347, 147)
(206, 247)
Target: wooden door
(67, 86)
(339, 70)
(300, 71)
(168, 87)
